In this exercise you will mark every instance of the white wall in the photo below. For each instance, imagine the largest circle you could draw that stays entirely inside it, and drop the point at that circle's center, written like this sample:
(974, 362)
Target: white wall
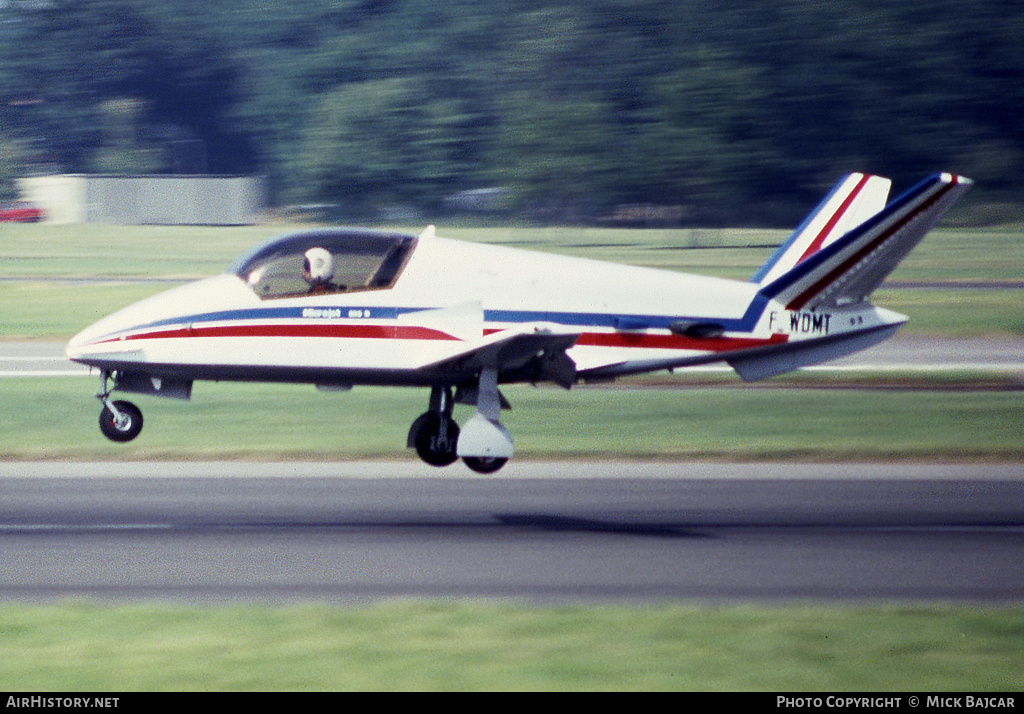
(153, 200)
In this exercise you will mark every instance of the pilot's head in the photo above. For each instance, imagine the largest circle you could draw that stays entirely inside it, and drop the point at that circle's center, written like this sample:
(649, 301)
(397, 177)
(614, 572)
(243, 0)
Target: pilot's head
(318, 267)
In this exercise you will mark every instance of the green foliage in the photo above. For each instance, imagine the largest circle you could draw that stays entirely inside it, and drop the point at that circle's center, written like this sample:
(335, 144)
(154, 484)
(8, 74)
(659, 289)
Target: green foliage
(732, 112)
(378, 140)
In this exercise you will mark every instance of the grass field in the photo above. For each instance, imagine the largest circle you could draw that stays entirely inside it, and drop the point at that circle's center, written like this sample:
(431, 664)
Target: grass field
(49, 418)
(463, 645)
(473, 646)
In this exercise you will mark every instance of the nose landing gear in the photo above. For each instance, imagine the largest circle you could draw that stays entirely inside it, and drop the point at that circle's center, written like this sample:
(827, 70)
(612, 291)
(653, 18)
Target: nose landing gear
(120, 421)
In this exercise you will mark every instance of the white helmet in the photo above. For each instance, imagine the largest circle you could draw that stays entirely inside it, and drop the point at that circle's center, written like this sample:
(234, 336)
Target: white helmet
(318, 266)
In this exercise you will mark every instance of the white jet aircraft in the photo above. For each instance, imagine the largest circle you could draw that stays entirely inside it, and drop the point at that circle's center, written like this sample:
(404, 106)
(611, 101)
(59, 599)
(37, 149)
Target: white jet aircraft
(337, 308)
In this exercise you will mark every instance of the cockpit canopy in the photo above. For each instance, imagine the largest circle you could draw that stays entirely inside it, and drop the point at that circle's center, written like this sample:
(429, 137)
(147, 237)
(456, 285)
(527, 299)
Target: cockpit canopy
(362, 260)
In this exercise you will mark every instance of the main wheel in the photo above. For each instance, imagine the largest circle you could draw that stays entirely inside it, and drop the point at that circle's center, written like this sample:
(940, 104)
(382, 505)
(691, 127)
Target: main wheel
(123, 428)
(484, 464)
(432, 447)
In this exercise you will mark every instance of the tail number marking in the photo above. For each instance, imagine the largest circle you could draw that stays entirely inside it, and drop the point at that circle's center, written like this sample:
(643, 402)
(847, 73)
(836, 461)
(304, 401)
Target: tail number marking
(799, 322)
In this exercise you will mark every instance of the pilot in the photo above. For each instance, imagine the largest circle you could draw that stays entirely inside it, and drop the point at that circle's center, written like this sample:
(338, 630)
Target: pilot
(318, 269)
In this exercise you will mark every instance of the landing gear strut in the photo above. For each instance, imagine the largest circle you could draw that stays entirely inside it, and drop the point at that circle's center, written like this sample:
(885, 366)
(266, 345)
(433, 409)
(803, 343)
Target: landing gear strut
(483, 443)
(120, 421)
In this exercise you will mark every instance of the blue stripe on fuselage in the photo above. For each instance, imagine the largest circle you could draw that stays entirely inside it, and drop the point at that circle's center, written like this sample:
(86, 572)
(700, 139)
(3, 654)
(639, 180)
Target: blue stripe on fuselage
(615, 321)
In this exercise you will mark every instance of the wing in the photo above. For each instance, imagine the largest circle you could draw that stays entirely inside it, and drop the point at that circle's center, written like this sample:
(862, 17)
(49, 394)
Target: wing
(531, 352)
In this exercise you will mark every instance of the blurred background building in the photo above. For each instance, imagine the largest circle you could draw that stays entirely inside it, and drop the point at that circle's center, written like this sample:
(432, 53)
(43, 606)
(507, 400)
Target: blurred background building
(154, 199)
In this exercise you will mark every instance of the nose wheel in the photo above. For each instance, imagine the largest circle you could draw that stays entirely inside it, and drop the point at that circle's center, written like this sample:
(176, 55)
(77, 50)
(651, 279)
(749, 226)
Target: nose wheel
(120, 421)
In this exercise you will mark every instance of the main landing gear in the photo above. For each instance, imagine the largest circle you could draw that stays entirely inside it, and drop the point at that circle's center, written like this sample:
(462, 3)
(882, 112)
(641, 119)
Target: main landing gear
(119, 420)
(435, 434)
(483, 443)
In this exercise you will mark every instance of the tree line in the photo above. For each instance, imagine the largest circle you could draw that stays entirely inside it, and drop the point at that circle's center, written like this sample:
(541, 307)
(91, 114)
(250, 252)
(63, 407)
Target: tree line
(726, 111)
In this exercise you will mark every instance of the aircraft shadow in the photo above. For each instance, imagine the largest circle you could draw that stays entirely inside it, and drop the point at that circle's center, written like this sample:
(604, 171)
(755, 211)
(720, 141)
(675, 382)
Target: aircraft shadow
(515, 522)
(554, 523)
(565, 524)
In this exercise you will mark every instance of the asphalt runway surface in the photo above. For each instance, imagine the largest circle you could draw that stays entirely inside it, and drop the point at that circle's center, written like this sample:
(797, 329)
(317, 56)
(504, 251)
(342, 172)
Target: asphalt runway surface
(564, 532)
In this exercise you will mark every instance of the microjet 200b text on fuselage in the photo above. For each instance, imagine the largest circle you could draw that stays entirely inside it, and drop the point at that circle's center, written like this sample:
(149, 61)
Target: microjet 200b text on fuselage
(337, 308)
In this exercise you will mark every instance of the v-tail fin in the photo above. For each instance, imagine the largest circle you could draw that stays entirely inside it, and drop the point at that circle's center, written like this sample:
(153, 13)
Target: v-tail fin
(849, 267)
(853, 200)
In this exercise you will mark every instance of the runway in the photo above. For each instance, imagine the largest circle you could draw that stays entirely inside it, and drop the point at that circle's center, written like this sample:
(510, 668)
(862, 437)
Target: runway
(540, 532)
(901, 353)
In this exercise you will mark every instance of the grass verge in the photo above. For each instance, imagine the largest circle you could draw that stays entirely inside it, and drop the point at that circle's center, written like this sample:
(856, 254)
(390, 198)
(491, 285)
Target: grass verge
(54, 418)
(473, 646)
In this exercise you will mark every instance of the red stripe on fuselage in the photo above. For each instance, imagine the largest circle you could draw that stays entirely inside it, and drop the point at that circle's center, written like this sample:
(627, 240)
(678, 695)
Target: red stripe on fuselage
(644, 340)
(372, 332)
(674, 342)
(640, 340)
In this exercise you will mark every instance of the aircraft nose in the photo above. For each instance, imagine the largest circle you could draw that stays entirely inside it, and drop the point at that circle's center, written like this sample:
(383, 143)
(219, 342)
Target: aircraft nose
(86, 342)
(75, 348)
(103, 337)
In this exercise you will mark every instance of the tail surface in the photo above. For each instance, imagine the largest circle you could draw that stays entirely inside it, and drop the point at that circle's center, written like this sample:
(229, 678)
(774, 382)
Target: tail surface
(846, 268)
(855, 199)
